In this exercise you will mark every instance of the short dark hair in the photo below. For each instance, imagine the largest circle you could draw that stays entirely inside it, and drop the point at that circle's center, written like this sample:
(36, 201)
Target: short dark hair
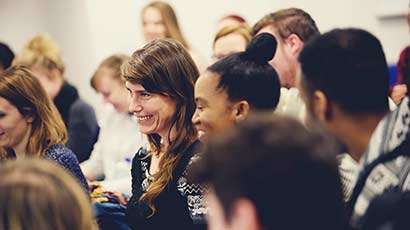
(289, 21)
(286, 171)
(6, 55)
(350, 67)
(248, 76)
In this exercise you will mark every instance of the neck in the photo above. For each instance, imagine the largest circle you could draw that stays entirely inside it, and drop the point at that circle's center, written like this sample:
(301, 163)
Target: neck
(355, 133)
(59, 82)
(21, 148)
(164, 139)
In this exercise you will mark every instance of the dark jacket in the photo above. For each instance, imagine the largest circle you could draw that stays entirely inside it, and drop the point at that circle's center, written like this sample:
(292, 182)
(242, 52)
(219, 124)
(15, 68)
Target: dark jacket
(80, 120)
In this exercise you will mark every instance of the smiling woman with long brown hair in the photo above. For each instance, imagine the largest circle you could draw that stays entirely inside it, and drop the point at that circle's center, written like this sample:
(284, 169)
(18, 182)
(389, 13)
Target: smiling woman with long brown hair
(160, 79)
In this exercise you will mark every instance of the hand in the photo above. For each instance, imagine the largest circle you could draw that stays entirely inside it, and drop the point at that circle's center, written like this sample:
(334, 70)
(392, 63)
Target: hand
(121, 199)
(398, 92)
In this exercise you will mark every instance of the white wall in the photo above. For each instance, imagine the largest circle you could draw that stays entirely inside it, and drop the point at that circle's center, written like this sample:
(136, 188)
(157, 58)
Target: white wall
(90, 30)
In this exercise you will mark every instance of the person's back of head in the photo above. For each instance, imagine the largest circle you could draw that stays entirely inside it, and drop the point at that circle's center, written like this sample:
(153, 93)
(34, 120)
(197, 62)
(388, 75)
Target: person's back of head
(235, 86)
(284, 175)
(350, 68)
(6, 56)
(37, 194)
(248, 76)
(41, 51)
(230, 20)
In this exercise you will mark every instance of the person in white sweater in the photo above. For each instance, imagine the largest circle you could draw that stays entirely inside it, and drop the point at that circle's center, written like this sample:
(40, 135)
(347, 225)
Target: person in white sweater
(119, 138)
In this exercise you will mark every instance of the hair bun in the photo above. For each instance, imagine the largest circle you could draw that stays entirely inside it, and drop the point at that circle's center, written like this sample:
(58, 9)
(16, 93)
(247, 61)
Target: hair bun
(262, 48)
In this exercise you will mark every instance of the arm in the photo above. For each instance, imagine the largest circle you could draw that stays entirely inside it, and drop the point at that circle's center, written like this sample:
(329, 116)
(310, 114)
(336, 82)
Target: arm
(68, 160)
(82, 130)
(132, 212)
(93, 167)
(121, 185)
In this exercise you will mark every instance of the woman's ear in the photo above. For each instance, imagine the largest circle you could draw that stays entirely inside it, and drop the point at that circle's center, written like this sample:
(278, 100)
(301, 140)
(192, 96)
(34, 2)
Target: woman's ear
(241, 110)
(321, 106)
(28, 115)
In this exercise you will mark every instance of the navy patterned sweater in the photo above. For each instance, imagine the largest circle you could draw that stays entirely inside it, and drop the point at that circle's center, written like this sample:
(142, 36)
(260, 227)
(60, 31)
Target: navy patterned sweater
(180, 205)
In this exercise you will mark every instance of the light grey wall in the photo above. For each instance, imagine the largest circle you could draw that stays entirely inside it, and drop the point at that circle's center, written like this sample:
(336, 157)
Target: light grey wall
(90, 30)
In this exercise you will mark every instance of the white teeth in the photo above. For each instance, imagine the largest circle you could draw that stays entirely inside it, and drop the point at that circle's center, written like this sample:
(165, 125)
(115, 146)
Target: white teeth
(143, 118)
(201, 133)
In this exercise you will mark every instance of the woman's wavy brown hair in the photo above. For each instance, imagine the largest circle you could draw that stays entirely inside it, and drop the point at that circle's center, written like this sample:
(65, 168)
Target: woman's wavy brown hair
(165, 67)
(23, 90)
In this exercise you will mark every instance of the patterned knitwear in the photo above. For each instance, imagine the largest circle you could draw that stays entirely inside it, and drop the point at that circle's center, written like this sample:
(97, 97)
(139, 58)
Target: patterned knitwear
(67, 159)
(180, 205)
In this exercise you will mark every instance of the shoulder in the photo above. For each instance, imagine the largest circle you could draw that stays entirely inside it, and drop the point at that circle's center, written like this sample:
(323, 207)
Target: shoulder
(406, 51)
(61, 154)
(80, 110)
(140, 158)
(82, 107)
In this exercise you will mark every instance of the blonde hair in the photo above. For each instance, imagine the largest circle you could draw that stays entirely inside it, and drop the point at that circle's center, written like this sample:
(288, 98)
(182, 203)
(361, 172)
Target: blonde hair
(165, 67)
(37, 193)
(113, 63)
(42, 51)
(240, 29)
(23, 90)
(170, 21)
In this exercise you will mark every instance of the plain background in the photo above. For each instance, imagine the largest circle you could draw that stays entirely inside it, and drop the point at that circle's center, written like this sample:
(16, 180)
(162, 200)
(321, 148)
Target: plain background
(90, 30)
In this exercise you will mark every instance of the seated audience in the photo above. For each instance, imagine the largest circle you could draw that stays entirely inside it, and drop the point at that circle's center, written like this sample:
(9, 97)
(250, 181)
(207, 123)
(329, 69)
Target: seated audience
(336, 69)
(42, 55)
(36, 194)
(270, 173)
(160, 79)
(229, 40)
(119, 137)
(236, 85)
(30, 125)
(6, 56)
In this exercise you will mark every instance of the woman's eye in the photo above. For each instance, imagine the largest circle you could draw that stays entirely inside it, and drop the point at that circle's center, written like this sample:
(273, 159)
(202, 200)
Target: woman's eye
(145, 95)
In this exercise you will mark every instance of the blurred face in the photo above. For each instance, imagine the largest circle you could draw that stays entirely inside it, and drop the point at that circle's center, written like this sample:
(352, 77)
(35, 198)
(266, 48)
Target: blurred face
(14, 127)
(153, 112)
(229, 44)
(48, 80)
(113, 91)
(152, 24)
(213, 111)
(283, 61)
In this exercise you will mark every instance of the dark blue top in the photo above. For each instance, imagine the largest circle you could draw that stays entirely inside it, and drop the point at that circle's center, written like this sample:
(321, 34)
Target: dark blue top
(80, 120)
(66, 158)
